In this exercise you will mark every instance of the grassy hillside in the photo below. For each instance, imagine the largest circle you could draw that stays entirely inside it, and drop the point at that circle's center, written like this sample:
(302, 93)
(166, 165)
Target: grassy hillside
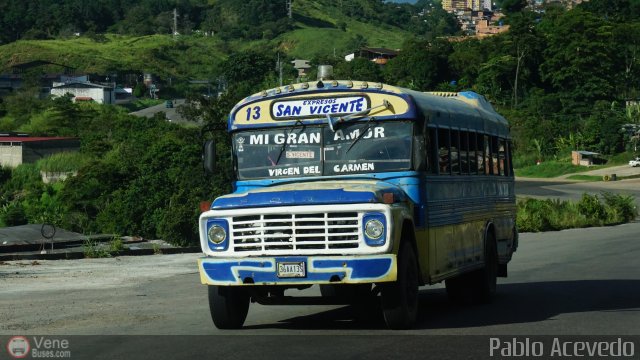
(319, 29)
(158, 53)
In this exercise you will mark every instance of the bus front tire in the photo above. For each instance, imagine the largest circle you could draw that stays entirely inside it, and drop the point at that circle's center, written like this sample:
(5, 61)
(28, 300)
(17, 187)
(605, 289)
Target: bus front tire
(400, 298)
(229, 306)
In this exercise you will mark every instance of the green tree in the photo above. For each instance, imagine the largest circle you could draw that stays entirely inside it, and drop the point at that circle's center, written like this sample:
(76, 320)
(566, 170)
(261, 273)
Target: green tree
(358, 69)
(603, 129)
(627, 43)
(525, 46)
(511, 6)
(579, 59)
(465, 61)
(422, 65)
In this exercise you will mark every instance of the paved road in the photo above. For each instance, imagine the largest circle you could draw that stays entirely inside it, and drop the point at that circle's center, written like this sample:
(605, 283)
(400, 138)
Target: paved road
(568, 190)
(170, 113)
(574, 282)
(583, 281)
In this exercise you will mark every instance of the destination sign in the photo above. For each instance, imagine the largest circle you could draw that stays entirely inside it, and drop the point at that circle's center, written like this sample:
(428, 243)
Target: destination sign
(289, 109)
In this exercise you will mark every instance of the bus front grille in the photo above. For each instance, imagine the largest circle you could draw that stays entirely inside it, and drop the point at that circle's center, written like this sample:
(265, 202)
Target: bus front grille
(281, 232)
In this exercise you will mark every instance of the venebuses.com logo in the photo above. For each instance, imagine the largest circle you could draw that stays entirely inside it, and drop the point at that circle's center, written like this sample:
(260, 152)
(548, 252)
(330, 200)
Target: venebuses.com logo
(18, 347)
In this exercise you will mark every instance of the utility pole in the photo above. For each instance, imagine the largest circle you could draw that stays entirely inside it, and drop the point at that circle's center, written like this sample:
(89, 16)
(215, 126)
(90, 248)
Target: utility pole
(175, 22)
(279, 69)
(289, 8)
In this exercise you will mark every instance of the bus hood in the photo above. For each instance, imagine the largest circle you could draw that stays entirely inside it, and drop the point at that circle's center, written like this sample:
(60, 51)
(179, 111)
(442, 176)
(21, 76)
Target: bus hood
(314, 193)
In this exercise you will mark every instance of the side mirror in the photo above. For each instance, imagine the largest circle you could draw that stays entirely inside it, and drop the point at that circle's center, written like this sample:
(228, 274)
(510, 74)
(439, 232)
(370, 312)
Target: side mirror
(209, 156)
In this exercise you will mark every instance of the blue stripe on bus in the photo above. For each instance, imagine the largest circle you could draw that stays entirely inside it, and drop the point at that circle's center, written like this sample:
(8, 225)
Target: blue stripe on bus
(396, 178)
(295, 197)
(318, 270)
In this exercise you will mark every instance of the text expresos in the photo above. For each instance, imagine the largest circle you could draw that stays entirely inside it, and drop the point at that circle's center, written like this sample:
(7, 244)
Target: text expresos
(303, 108)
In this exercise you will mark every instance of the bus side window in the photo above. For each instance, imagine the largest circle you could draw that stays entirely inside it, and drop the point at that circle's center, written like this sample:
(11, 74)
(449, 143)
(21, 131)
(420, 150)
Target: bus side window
(455, 152)
(502, 148)
(443, 151)
(480, 153)
(510, 157)
(487, 156)
(432, 151)
(473, 151)
(464, 152)
(495, 165)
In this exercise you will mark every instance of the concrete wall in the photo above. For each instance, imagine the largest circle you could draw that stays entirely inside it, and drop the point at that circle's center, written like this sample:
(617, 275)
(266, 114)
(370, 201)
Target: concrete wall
(10, 154)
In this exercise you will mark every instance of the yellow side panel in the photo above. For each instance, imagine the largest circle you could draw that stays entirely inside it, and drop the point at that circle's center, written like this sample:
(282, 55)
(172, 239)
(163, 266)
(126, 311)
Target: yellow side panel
(451, 248)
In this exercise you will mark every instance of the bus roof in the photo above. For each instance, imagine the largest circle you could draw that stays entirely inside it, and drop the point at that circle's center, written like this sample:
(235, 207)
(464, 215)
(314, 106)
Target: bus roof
(312, 102)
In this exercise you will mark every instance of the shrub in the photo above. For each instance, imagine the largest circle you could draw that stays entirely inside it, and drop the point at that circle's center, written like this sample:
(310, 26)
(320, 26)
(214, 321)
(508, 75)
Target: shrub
(93, 249)
(532, 215)
(591, 207)
(543, 215)
(619, 208)
(13, 215)
(62, 162)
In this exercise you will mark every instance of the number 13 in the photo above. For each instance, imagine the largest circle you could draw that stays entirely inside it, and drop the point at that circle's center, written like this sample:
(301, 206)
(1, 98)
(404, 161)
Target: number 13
(256, 114)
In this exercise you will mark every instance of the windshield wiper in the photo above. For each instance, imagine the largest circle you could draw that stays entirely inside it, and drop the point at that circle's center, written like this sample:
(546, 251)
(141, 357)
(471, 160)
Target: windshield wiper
(364, 130)
(385, 104)
(284, 144)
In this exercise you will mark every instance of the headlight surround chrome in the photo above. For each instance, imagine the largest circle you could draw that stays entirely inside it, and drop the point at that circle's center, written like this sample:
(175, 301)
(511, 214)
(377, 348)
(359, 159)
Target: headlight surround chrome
(374, 229)
(217, 234)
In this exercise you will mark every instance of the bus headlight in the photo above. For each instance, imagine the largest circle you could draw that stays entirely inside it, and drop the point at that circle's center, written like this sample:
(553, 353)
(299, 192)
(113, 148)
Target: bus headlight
(374, 229)
(217, 234)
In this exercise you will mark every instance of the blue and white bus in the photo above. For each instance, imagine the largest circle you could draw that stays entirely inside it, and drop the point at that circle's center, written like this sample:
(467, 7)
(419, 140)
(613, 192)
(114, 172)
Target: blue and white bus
(365, 189)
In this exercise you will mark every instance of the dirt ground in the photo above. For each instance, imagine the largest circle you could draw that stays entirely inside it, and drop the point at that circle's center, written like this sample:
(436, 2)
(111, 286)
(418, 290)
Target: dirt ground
(93, 296)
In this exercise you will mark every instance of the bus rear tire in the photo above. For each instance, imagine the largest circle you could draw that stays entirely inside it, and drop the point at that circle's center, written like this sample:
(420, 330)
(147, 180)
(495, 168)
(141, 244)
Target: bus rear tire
(229, 306)
(485, 279)
(400, 298)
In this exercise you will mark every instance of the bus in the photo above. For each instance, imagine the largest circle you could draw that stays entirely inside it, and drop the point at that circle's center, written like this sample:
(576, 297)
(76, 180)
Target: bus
(365, 189)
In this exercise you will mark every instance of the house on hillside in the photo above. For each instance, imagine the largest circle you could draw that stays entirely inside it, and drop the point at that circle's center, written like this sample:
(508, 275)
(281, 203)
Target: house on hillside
(585, 158)
(16, 149)
(85, 91)
(483, 28)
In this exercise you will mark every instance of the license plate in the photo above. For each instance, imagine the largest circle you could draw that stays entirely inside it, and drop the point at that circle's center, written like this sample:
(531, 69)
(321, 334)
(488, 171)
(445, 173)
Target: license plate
(292, 269)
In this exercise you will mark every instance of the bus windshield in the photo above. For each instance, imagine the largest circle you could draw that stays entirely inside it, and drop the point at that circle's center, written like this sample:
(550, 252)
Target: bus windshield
(299, 151)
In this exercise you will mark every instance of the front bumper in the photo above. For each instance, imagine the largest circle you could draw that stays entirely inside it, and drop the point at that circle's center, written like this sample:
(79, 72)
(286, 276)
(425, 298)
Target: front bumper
(320, 270)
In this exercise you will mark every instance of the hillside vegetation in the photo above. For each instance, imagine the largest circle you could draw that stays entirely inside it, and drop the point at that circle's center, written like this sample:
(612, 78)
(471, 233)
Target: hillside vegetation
(141, 39)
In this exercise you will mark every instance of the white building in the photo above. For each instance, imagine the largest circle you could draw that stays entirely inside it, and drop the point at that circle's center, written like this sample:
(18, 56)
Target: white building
(85, 91)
